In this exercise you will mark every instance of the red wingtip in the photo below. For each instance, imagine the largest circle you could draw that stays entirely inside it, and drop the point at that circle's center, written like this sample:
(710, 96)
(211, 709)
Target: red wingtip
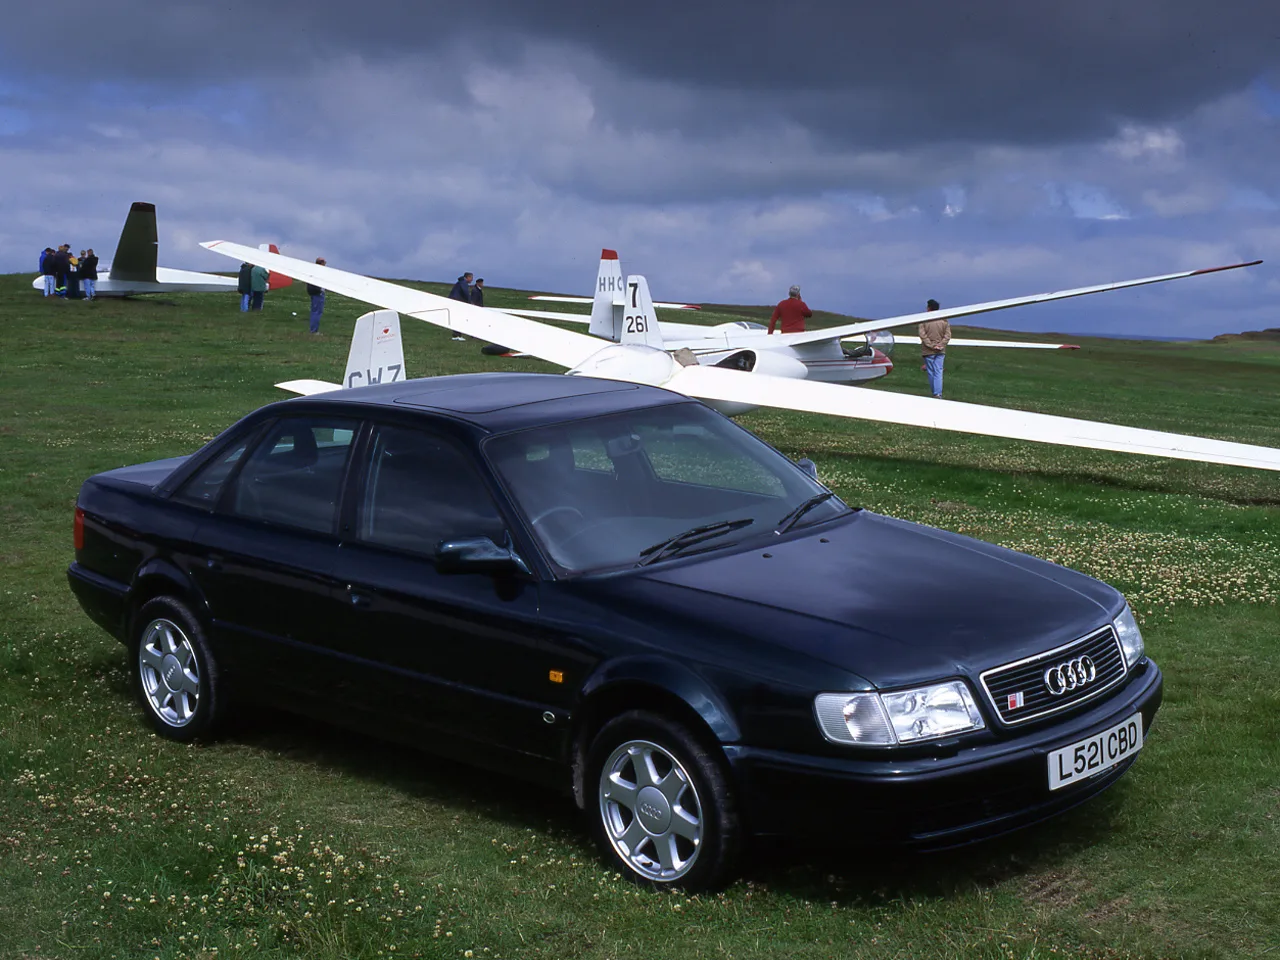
(1230, 266)
(608, 254)
(1068, 346)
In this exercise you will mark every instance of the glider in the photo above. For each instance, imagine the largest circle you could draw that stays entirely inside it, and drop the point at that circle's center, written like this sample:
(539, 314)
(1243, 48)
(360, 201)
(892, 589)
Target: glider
(134, 271)
(746, 378)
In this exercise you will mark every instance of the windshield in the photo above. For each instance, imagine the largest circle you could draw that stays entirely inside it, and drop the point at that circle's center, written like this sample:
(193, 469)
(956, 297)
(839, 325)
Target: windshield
(649, 484)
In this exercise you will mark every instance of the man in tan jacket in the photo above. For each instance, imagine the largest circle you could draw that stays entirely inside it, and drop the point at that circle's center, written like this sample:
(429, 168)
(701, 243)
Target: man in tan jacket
(934, 337)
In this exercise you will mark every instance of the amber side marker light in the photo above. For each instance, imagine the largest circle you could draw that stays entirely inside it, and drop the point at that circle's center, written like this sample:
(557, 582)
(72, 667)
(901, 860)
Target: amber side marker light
(78, 534)
(556, 676)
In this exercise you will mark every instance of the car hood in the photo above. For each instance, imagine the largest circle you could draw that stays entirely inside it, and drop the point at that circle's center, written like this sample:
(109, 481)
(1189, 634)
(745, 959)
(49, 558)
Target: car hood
(890, 601)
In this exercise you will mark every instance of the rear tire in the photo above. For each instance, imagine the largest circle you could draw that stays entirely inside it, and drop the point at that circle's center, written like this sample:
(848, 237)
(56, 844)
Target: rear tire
(661, 804)
(174, 673)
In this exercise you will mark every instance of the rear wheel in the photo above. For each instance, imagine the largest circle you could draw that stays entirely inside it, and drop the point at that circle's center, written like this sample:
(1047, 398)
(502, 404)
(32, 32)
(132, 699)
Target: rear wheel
(663, 809)
(174, 673)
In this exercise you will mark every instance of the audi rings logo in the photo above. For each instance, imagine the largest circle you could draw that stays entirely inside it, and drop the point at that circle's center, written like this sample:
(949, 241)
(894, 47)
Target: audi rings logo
(1069, 676)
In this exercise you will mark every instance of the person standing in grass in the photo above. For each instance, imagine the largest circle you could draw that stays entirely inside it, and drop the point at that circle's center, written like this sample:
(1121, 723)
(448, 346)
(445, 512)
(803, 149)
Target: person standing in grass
(317, 301)
(477, 293)
(792, 312)
(259, 279)
(89, 274)
(47, 271)
(934, 337)
(244, 285)
(462, 288)
(61, 267)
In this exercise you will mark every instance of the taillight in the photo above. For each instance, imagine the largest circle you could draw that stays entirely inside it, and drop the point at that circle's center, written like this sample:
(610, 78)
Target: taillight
(78, 535)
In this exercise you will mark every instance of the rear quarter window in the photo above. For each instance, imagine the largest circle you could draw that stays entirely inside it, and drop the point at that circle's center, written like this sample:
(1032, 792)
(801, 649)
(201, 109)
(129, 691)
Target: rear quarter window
(294, 476)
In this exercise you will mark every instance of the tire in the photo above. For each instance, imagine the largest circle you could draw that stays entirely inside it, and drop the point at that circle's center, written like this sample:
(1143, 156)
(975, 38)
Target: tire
(661, 804)
(174, 673)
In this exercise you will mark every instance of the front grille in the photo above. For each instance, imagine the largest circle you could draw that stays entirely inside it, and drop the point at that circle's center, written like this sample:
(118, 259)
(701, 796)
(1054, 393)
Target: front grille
(1025, 680)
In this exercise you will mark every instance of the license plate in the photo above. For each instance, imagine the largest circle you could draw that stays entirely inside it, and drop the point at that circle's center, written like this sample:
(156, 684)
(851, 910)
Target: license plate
(1102, 751)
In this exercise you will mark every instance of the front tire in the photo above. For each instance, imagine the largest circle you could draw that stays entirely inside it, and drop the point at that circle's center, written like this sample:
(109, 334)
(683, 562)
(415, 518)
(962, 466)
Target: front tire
(661, 804)
(174, 673)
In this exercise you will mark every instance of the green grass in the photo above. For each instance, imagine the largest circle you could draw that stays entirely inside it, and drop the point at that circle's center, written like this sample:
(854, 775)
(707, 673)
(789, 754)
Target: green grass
(288, 839)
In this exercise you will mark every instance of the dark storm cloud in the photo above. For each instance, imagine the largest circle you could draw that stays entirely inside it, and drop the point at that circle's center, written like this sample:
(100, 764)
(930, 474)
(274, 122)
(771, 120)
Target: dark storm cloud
(875, 74)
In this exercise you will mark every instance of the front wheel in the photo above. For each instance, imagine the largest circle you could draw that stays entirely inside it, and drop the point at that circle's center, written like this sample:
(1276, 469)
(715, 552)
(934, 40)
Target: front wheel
(174, 673)
(663, 809)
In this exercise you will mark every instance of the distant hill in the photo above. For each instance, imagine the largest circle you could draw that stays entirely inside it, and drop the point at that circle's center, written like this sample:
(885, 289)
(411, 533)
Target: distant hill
(1271, 333)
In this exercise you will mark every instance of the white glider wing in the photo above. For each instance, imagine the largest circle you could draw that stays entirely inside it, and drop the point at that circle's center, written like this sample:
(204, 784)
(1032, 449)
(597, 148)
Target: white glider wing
(851, 329)
(1017, 344)
(665, 306)
(582, 318)
(714, 383)
(563, 347)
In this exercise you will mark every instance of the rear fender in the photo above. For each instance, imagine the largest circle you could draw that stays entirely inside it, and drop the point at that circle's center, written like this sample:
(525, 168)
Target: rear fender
(160, 577)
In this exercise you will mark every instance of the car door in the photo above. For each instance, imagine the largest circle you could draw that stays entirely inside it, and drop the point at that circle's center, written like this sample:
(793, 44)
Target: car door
(459, 657)
(265, 557)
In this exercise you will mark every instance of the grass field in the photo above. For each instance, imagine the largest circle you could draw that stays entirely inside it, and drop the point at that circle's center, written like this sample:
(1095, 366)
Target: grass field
(289, 839)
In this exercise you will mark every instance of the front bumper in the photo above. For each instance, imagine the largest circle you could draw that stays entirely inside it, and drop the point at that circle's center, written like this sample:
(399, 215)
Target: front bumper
(933, 802)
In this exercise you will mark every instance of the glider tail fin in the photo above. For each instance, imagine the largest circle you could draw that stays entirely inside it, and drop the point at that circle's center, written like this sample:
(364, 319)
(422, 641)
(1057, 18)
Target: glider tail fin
(605, 320)
(639, 318)
(135, 258)
(275, 280)
(377, 352)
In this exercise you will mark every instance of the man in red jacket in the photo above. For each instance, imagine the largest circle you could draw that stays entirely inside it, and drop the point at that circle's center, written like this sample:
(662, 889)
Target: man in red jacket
(791, 312)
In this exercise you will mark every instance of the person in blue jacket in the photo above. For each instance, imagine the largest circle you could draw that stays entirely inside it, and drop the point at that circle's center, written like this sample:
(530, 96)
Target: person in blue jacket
(316, 293)
(462, 289)
(47, 271)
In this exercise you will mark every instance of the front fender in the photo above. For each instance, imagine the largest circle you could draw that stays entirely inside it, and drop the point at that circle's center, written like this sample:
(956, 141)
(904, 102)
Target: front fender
(675, 679)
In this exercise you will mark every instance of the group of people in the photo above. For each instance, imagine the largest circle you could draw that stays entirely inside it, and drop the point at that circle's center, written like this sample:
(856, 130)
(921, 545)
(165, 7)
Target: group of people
(66, 275)
(467, 291)
(254, 282)
(934, 334)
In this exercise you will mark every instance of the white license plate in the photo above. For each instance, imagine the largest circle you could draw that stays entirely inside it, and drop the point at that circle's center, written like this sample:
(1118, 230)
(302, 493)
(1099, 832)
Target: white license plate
(1102, 751)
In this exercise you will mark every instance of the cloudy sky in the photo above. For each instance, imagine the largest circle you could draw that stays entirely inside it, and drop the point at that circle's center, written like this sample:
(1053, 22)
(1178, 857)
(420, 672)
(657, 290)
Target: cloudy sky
(875, 153)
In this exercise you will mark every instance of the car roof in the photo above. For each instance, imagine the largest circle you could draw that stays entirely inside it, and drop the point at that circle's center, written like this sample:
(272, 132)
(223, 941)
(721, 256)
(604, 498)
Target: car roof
(503, 401)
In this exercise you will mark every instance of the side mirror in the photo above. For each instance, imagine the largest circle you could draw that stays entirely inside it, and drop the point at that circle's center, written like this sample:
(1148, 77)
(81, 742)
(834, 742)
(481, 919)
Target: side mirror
(809, 467)
(478, 555)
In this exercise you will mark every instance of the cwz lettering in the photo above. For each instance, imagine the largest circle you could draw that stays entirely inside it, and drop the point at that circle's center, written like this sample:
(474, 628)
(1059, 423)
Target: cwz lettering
(369, 379)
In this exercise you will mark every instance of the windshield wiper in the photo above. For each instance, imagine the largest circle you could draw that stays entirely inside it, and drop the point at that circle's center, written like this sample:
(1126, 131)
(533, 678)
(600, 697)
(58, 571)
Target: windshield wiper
(792, 518)
(673, 545)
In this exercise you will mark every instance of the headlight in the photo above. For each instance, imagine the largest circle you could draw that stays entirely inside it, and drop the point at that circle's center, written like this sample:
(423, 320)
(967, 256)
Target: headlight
(904, 716)
(1130, 636)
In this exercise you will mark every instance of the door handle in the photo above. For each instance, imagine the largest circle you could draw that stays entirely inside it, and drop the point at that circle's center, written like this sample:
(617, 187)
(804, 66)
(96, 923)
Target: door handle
(360, 601)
